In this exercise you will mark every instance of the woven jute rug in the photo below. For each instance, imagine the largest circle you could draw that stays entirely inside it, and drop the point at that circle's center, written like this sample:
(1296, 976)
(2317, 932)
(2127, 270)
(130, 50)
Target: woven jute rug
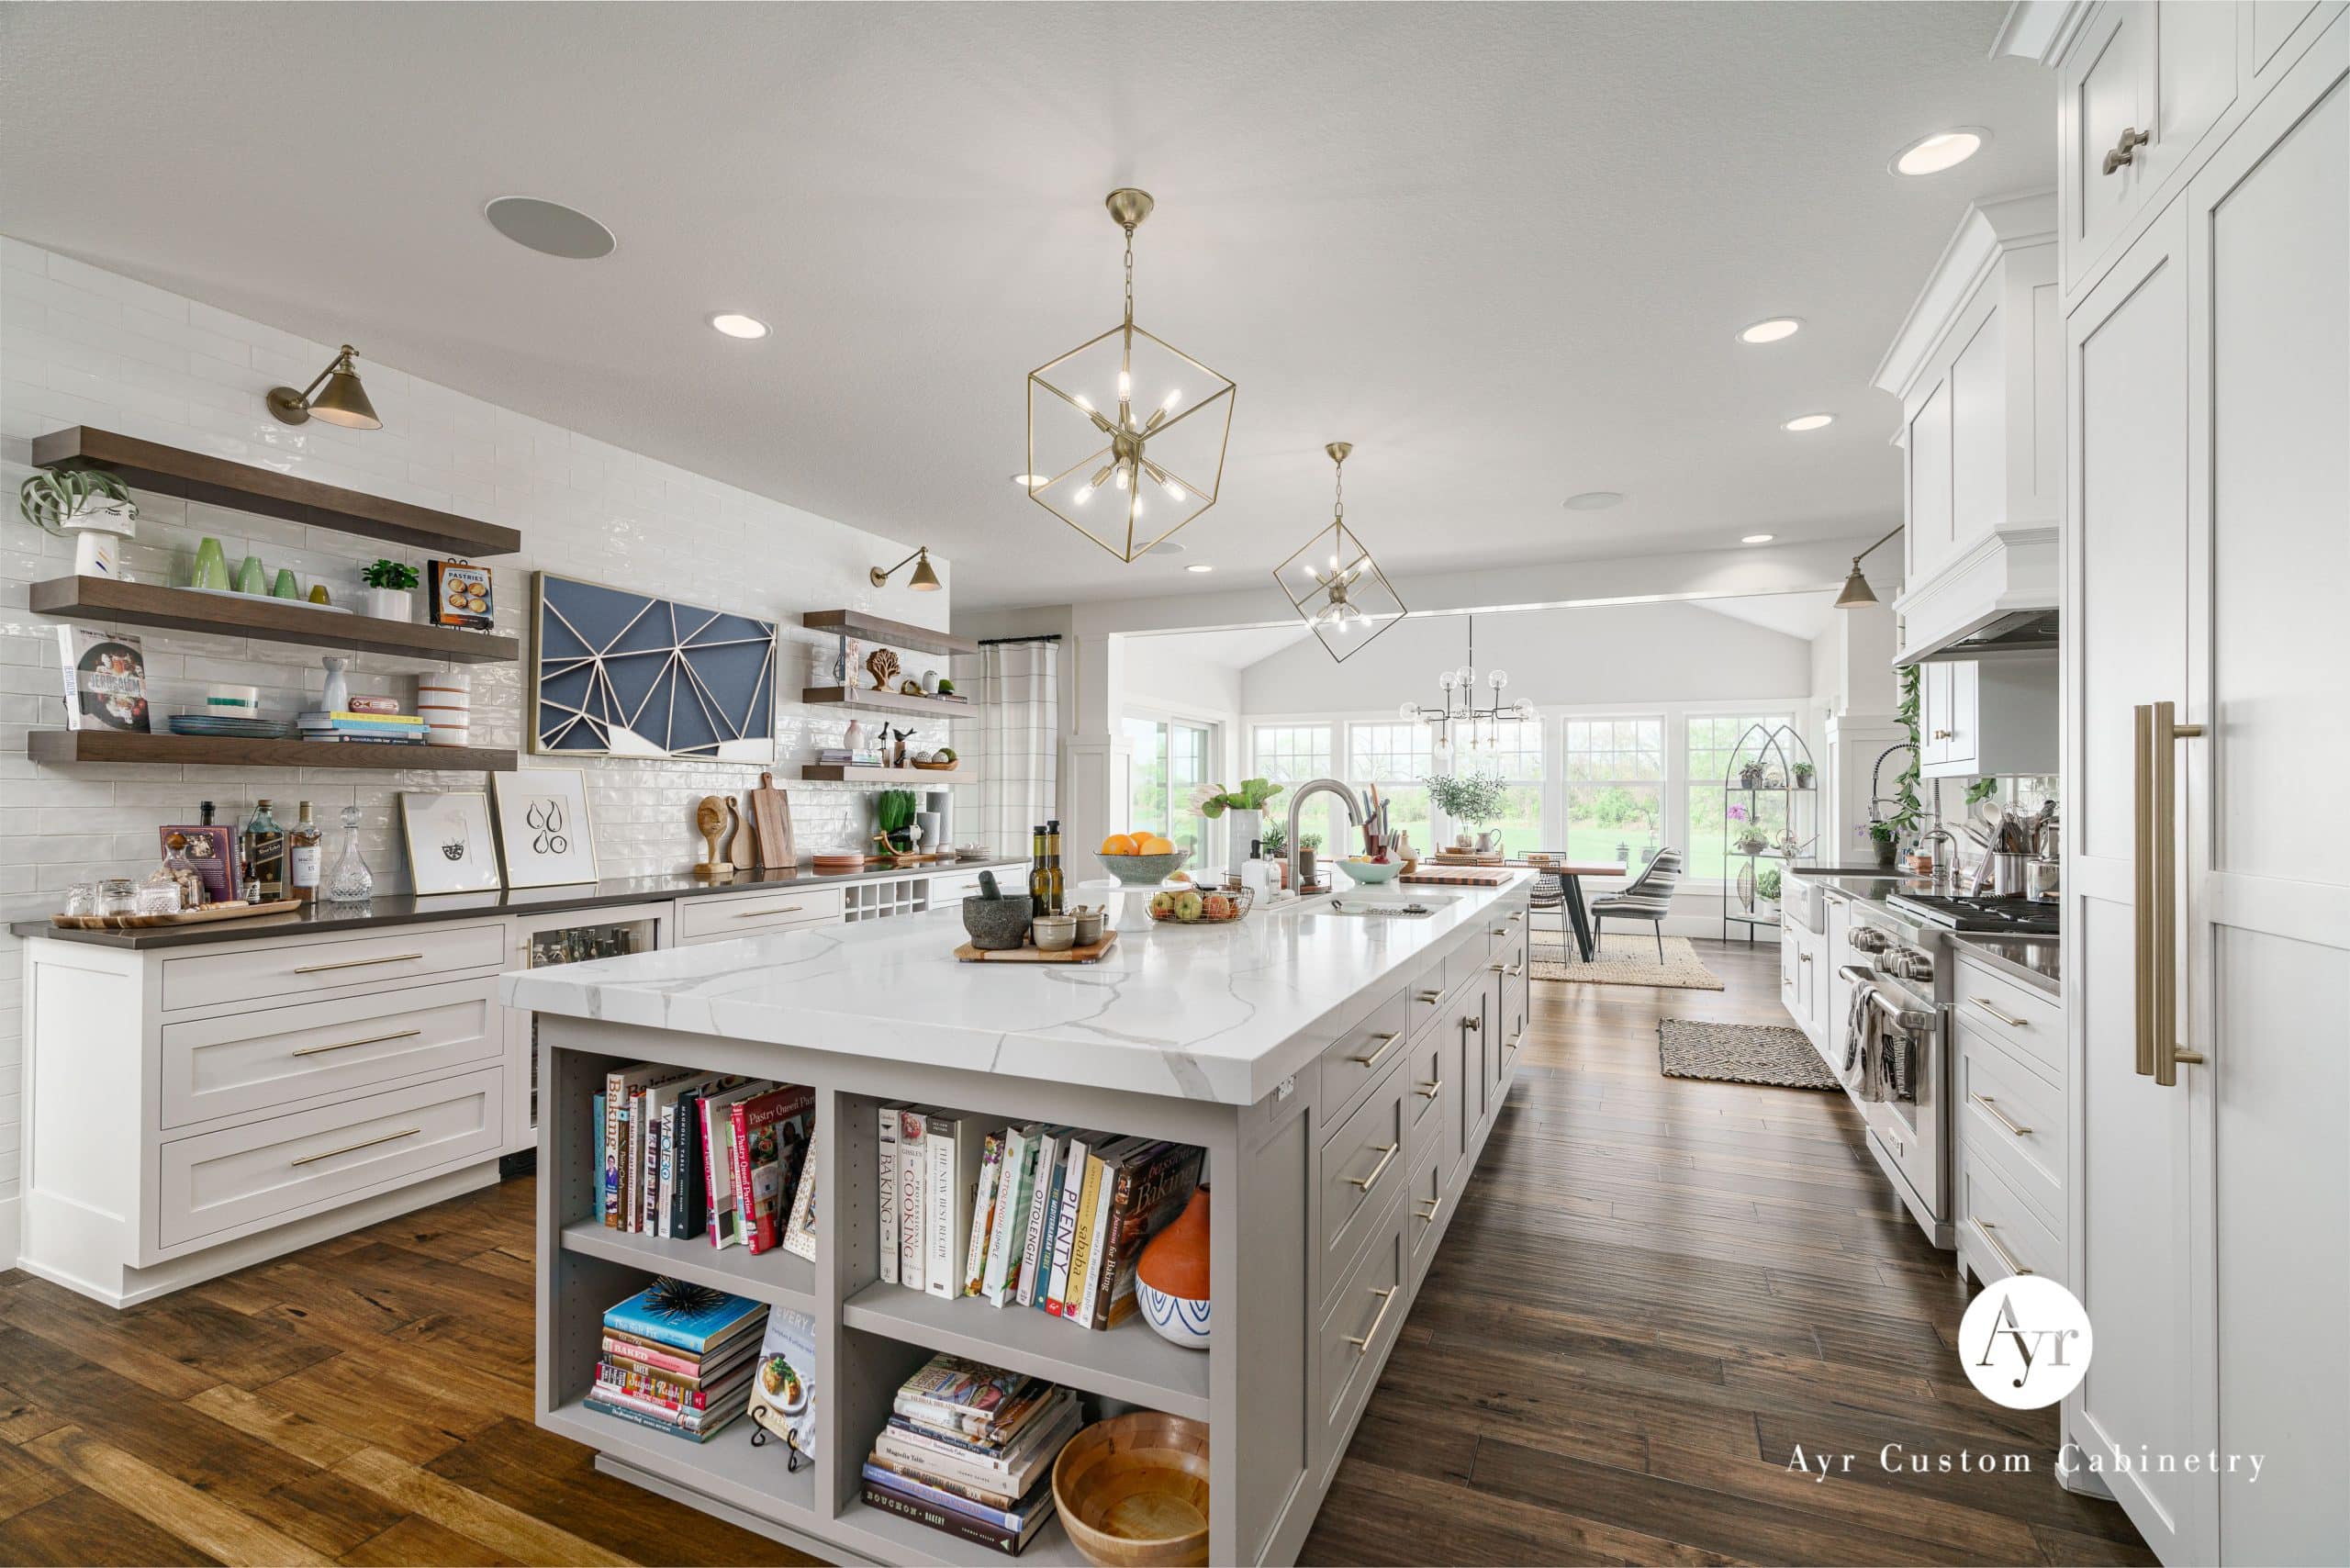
(1625, 959)
(1741, 1053)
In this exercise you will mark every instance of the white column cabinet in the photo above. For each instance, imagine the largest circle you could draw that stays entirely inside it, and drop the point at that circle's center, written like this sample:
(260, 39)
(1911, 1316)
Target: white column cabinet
(2210, 558)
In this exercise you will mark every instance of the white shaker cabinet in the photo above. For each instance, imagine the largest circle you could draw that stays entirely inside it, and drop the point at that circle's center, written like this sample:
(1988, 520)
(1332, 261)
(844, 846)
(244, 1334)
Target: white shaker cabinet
(1993, 716)
(2208, 922)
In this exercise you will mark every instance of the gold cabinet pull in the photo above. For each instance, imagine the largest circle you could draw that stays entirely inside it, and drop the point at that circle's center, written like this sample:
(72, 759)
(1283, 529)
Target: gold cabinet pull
(1429, 995)
(2125, 151)
(771, 909)
(1984, 1227)
(1999, 1115)
(1472, 1022)
(1387, 1043)
(1501, 930)
(1985, 1003)
(1386, 1158)
(359, 963)
(1362, 1342)
(369, 1040)
(2157, 876)
(1427, 1210)
(1430, 1090)
(355, 1148)
(1939, 736)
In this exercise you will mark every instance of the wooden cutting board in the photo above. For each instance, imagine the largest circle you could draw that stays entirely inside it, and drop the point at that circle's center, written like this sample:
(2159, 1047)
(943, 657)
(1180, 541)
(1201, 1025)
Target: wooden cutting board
(1458, 876)
(771, 826)
(1091, 953)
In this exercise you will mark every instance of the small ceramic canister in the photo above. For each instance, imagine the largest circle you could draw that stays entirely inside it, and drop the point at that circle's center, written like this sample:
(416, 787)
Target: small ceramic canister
(1053, 933)
(444, 700)
(1089, 926)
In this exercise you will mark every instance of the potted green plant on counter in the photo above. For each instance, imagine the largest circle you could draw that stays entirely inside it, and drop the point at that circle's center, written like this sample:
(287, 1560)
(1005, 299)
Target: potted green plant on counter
(893, 813)
(390, 590)
(1472, 798)
(1246, 806)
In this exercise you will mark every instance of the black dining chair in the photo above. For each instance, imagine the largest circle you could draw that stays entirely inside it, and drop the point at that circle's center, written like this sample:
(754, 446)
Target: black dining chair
(1650, 898)
(1549, 893)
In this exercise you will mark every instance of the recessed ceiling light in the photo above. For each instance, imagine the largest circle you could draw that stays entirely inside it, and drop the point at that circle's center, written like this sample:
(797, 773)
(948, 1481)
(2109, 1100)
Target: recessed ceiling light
(1770, 330)
(549, 228)
(735, 325)
(1758, 539)
(1809, 422)
(1595, 500)
(1944, 150)
(1024, 480)
(1199, 566)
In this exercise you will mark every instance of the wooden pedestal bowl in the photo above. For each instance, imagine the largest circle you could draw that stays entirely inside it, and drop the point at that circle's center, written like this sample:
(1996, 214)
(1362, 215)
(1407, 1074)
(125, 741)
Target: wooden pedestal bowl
(1133, 1491)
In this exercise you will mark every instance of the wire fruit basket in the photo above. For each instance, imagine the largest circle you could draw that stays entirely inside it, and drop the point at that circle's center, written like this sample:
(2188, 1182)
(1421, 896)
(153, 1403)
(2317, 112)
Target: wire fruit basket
(1193, 906)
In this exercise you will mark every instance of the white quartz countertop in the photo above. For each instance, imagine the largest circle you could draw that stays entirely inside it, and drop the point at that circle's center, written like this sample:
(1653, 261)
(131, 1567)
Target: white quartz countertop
(1203, 1012)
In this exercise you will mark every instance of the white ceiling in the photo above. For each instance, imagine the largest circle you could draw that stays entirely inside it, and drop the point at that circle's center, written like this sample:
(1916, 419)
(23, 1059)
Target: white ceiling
(1501, 249)
(1238, 647)
(1804, 615)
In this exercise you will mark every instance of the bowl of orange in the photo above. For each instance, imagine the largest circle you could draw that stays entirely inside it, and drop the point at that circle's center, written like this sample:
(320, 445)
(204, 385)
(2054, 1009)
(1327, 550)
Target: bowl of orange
(1140, 859)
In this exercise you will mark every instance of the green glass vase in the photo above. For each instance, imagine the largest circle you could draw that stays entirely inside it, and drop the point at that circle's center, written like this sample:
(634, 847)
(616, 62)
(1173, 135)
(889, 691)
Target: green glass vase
(211, 566)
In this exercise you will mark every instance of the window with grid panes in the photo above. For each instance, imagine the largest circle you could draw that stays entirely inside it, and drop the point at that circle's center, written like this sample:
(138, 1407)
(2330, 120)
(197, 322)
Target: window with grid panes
(1514, 752)
(1615, 788)
(1397, 756)
(1291, 755)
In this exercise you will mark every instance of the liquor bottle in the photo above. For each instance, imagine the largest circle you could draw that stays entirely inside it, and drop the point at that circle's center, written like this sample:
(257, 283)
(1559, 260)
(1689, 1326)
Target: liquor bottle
(305, 851)
(261, 851)
(1037, 889)
(1053, 889)
(204, 814)
(349, 882)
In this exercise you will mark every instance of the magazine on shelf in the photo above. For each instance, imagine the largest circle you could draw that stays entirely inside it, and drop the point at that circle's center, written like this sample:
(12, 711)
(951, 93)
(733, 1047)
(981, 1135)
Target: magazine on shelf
(783, 1391)
(105, 680)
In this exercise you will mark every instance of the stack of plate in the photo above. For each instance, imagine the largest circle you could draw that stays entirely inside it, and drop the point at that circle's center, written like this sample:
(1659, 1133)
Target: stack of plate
(231, 729)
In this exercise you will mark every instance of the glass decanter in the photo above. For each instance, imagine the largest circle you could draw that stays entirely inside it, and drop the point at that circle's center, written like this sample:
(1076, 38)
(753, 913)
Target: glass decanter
(349, 882)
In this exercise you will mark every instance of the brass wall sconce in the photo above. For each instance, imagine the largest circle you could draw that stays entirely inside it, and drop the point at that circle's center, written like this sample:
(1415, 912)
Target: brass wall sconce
(335, 396)
(924, 580)
(1857, 594)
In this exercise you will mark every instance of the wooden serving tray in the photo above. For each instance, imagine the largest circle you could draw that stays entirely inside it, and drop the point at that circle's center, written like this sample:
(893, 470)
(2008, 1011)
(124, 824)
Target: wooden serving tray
(237, 911)
(1091, 953)
(1456, 858)
(1458, 876)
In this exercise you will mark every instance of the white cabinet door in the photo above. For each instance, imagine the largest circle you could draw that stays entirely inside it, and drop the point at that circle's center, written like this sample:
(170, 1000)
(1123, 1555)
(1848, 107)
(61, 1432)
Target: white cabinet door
(1933, 715)
(1962, 717)
(2108, 95)
(2266, 928)
(2133, 1232)
(2195, 81)
(1929, 479)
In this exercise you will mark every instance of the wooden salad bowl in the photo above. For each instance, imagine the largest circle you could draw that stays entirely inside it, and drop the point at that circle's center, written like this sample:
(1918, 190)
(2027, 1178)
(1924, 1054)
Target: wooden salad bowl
(1133, 1491)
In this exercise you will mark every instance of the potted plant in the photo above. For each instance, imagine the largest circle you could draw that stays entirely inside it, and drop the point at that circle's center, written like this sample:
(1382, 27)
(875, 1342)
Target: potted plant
(90, 507)
(1803, 775)
(1886, 838)
(1247, 805)
(1472, 798)
(390, 590)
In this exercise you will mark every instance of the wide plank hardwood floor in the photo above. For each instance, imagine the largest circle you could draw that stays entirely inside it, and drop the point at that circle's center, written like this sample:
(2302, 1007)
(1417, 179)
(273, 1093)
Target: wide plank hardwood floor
(1655, 1290)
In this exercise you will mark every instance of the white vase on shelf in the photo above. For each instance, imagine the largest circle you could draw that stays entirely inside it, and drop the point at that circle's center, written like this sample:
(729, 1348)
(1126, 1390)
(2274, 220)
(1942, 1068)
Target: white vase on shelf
(336, 695)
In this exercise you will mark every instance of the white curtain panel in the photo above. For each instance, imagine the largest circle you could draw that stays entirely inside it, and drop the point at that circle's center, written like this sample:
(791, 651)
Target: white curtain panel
(1018, 749)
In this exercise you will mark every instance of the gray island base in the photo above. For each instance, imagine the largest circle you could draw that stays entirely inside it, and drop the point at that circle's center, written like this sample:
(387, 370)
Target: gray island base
(1341, 1072)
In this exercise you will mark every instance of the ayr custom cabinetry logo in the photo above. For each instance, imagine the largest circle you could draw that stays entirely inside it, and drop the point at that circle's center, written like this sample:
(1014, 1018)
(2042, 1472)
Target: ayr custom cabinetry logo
(2025, 1342)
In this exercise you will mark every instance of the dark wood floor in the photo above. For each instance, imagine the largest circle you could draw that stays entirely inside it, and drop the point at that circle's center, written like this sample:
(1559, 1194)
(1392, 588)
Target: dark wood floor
(1655, 1291)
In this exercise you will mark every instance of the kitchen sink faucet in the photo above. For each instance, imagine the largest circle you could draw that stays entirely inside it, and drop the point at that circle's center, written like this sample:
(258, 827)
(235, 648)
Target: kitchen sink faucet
(1297, 805)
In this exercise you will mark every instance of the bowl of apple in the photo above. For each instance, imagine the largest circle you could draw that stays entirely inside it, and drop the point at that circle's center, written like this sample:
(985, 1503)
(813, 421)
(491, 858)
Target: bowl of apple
(1189, 906)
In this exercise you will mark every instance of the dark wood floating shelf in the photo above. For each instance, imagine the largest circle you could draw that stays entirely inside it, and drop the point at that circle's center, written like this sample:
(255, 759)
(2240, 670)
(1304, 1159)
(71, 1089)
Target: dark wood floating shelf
(244, 486)
(211, 751)
(269, 619)
(896, 633)
(884, 701)
(928, 778)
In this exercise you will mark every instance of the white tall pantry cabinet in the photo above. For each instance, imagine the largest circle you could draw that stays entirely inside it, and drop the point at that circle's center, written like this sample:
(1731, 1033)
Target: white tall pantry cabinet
(2207, 737)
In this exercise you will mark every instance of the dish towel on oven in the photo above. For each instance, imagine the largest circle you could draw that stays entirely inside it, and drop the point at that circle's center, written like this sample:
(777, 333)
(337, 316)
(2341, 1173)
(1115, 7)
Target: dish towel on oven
(1863, 1069)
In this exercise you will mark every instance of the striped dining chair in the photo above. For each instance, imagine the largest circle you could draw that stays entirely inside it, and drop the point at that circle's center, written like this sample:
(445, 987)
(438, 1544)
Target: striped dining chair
(1650, 898)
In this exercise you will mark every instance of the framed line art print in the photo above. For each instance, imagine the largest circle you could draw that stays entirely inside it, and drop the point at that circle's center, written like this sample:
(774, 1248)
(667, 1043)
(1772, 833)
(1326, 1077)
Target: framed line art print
(451, 848)
(543, 838)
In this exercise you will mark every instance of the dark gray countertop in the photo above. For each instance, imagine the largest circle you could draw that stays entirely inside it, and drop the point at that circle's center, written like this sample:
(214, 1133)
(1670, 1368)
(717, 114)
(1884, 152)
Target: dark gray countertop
(2032, 959)
(410, 910)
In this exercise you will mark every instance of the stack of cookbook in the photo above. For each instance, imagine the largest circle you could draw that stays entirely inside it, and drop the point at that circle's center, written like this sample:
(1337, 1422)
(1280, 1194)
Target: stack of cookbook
(969, 1450)
(679, 1357)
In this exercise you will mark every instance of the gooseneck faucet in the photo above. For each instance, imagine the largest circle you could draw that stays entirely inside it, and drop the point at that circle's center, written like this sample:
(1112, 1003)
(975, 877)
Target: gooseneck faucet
(1297, 806)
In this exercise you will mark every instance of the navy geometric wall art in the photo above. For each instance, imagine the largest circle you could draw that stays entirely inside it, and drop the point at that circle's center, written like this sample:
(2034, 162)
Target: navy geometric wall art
(620, 674)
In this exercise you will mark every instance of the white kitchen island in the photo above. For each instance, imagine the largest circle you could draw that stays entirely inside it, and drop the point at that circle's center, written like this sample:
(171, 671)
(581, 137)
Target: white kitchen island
(1341, 1072)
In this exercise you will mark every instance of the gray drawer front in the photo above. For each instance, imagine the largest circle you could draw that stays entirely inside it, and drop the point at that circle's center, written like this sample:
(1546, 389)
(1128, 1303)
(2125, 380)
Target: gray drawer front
(1362, 1167)
(1360, 1325)
(1360, 1056)
(1427, 1077)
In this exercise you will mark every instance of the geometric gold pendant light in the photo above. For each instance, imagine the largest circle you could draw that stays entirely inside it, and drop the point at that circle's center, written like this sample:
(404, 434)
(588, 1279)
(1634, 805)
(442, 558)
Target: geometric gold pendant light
(1126, 433)
(1334, 583)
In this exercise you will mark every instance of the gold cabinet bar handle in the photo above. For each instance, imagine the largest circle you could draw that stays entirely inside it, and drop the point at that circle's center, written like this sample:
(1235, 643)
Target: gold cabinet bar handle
(370, 1040)
(1428, 1211)
(772, 909)
(1985, 1003)
(1386, 1300)
(1387, 1043)
(1939, 736)
(1999, 1115)
(359, 963)
(1431, 995)
(354, 1147)
(1386, 1155)
(2142, 873)
(1430, 1090)
(1514, 971)
(2167, 734)
(1984, 1227)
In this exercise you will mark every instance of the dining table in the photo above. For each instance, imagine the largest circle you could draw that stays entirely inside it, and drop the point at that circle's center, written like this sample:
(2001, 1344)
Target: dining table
(1569, 875)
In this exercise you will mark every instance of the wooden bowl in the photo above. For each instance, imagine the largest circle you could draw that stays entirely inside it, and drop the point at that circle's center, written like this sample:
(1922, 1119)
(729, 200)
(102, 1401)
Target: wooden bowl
(1133, 1491)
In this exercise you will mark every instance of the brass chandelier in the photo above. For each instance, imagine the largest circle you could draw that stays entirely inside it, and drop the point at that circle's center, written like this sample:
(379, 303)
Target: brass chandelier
(1332, 581)
(1126, 480)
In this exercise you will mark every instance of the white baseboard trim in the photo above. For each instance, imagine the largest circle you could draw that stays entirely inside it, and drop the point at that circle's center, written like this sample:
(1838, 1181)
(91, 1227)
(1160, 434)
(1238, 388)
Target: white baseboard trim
(12, 1230)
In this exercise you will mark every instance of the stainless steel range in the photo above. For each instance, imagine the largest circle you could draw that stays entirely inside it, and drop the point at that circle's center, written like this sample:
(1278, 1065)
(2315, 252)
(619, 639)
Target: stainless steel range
(1980, 916)
(1908, 963)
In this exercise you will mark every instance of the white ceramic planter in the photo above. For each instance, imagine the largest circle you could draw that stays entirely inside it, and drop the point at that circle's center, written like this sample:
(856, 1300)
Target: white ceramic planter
(391, 604)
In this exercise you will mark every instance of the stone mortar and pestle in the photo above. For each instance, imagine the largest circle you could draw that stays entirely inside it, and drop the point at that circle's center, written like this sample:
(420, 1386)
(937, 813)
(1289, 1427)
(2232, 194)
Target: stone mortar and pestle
(996, 923)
